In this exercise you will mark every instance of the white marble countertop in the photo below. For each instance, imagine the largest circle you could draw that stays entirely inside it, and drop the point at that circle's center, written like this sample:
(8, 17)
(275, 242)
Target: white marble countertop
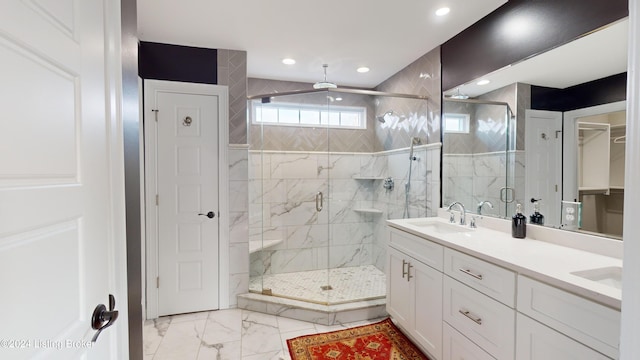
(541, 259)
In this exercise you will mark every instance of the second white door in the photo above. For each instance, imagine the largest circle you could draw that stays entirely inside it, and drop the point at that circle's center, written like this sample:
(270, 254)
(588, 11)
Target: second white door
(187, 189)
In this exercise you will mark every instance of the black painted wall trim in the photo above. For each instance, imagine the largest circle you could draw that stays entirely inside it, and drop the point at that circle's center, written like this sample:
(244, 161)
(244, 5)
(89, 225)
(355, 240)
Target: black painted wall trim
(597, 92)
(178, 63)
(520, 29)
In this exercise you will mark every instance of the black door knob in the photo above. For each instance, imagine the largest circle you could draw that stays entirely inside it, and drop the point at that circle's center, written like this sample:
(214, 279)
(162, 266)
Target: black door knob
(102, 319)
(210, 214)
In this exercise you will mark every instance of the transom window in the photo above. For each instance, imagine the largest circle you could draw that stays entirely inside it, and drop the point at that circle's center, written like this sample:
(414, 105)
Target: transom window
(455, 123)
(293, 114)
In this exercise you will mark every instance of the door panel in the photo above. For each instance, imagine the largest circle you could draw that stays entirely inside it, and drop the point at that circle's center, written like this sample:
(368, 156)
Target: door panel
(187, 178)
(543, 180)
(58, 212)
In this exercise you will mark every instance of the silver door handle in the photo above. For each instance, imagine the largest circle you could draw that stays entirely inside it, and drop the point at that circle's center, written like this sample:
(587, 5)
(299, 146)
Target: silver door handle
(319, 201)
(504, 197)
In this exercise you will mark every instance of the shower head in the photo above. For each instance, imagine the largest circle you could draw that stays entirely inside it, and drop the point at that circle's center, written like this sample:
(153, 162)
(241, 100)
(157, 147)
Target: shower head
(382, 118)
(324, 84)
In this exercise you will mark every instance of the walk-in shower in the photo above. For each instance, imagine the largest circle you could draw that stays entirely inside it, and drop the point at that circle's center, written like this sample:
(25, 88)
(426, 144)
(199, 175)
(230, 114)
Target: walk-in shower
(480, 161)
(317, 205)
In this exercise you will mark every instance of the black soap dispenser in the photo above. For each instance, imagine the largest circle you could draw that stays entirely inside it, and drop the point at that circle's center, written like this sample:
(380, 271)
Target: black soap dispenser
(519, 224)
(536, 217)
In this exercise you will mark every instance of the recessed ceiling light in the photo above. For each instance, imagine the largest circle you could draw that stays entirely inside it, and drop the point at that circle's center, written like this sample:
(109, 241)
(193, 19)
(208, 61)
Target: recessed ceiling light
(338, 99)
(443, 11)
(288, 61)
(363, 69)
(483, 82)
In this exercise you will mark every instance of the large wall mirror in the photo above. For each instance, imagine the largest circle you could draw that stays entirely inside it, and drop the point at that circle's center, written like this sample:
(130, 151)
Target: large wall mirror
(523, 133)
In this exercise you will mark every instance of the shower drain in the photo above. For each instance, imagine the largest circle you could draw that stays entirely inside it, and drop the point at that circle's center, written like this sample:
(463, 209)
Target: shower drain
(326, 287)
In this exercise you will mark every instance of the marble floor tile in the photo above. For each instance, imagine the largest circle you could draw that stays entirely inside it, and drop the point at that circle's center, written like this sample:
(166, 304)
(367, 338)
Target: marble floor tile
(232, 334)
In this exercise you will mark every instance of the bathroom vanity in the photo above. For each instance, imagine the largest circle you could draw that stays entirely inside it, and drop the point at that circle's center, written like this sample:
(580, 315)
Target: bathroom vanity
(464, 293)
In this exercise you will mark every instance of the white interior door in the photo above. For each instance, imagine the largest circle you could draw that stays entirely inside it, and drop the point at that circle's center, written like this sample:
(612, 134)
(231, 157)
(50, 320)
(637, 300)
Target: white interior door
(188, 203)
(61, 212)
(543, 149)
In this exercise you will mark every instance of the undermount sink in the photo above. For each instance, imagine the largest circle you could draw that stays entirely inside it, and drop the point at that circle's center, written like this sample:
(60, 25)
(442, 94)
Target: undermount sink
(440, 227)
(611, 276)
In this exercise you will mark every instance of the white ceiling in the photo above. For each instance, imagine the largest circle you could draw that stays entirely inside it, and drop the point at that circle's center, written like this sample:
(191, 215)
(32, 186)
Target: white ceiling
(383, 35)
(591, 57)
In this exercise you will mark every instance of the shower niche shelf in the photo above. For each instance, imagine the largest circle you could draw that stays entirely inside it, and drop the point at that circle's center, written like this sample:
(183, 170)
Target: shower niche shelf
(257, 245)
(368, 211)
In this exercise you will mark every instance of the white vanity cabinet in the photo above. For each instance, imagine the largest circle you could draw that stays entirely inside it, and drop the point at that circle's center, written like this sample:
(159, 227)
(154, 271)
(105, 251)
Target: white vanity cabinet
(591, 324)
(471, 305)
(414, 289)
(461, 307)
(539, 342)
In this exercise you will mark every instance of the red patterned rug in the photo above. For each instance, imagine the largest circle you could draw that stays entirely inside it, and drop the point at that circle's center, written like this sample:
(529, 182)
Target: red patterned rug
(379, 341)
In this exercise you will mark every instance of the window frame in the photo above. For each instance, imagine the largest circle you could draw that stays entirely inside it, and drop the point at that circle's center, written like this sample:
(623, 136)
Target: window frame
(360, 110)
(463, 119)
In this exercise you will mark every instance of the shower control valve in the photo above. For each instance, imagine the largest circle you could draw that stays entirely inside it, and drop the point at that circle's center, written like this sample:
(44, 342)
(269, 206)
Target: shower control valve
(388, 183)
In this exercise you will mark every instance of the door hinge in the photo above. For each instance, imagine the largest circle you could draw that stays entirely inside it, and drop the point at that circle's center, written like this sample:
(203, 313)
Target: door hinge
(157, 282)
(157, 199)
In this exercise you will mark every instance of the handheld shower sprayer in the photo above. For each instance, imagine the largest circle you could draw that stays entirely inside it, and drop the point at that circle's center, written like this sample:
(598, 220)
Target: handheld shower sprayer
(407, 185)
(414, 141)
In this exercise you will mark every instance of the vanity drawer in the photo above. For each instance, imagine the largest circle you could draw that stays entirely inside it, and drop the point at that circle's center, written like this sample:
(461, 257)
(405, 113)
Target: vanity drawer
(490, 279)
(590, 323)
(538, 342)
(458, 347)
(420, 249)
(486, 322)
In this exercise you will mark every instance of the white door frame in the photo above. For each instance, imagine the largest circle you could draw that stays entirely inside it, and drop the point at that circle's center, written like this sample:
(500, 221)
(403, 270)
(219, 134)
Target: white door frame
(151, 217)
(570, 144)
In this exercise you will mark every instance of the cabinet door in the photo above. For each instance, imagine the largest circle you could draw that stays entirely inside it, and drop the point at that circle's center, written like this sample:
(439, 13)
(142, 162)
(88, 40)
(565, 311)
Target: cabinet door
(428, 306)
(399, 290)
(457, 347)
(538, 342)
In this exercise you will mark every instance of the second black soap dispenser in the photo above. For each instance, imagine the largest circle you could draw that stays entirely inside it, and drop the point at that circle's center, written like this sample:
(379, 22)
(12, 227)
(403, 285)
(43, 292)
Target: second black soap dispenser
(536, 217)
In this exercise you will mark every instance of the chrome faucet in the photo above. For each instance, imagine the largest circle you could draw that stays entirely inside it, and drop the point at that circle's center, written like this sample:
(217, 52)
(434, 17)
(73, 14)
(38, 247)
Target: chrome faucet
(463, 211)
(482, 203)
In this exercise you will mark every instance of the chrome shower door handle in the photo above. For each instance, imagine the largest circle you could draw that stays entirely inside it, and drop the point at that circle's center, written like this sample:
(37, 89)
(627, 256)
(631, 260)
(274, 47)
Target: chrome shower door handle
(319, 201)
(504, 196)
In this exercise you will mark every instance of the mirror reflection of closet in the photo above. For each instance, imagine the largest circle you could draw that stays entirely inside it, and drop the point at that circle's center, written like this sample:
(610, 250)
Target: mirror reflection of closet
(600, 157)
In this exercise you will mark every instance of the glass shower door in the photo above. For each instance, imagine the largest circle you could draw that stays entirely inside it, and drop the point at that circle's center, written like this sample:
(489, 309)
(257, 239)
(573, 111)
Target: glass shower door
(288, 196)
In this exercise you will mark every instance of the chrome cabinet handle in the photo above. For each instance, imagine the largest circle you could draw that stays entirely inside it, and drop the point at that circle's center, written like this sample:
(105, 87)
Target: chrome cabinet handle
(409, 266)
(319, 201)
(468, 272)
(404, 263)
(469, 315)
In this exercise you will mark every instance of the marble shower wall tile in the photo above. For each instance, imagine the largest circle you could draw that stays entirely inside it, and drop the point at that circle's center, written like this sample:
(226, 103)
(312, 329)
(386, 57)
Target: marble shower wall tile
(238, 221)
(337, 236)
(288, 188)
